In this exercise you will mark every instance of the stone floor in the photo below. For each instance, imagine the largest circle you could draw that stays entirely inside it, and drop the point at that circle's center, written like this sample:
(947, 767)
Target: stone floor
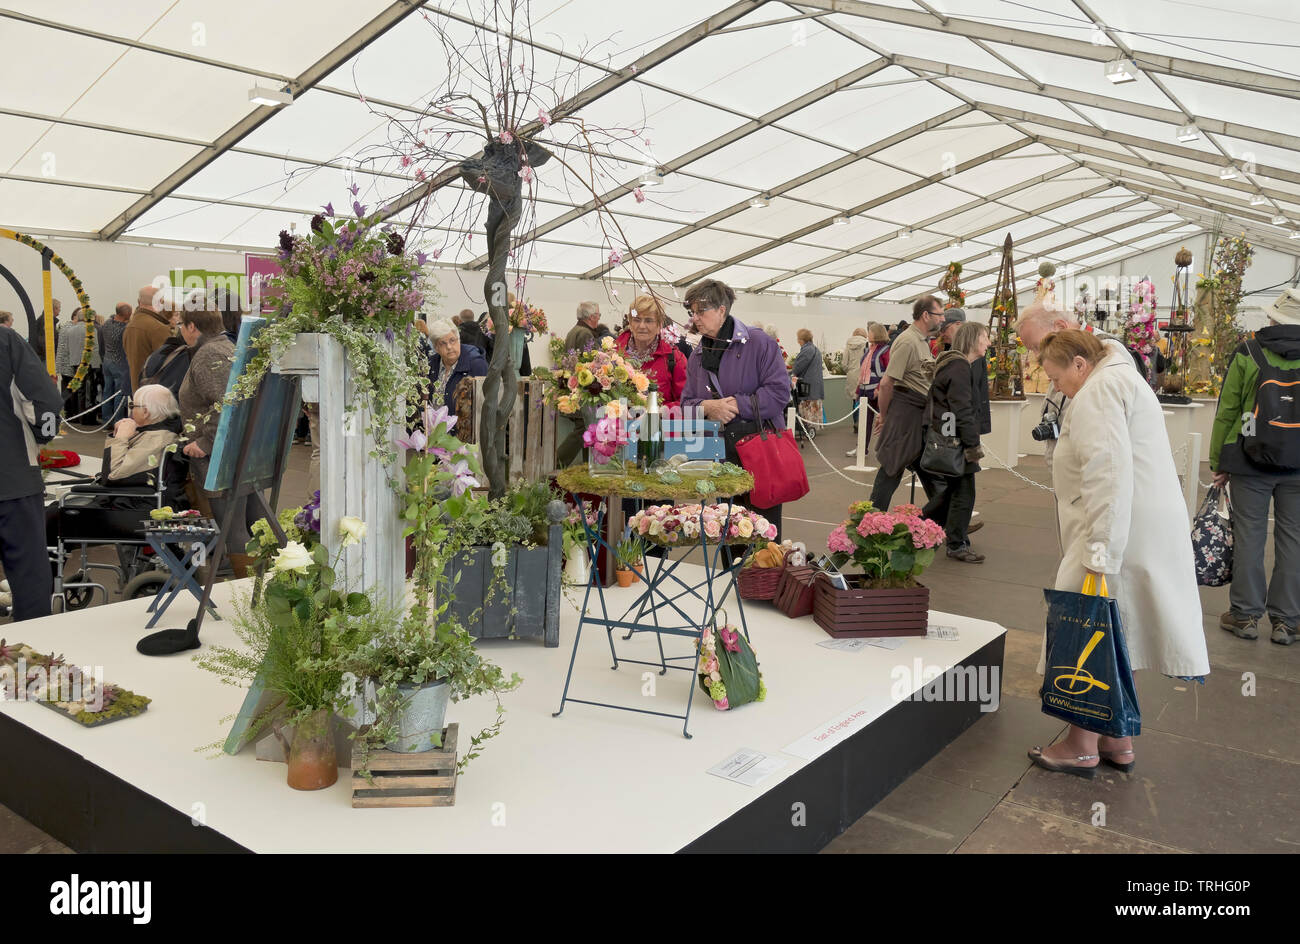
(1218, 770)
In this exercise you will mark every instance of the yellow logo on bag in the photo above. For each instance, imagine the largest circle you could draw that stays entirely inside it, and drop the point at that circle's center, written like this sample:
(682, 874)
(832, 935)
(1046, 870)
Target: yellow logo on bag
(1078, 674)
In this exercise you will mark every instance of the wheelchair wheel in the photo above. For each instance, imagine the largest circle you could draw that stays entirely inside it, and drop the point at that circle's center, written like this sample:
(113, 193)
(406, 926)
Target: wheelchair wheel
(144, 585)
(78, 598)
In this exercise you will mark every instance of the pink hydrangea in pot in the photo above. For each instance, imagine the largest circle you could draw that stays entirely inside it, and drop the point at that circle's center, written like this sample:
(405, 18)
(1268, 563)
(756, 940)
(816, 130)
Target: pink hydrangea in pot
(892, 549)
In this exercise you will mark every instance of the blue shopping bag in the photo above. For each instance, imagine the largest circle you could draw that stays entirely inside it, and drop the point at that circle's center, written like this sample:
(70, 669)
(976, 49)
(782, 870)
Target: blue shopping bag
(1088, 681)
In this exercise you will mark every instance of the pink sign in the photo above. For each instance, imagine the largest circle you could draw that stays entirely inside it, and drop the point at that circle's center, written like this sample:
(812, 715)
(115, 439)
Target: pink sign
(259, 269)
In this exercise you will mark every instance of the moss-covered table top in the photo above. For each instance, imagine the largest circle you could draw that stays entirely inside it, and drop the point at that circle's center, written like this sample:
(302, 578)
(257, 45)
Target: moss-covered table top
(730, 481)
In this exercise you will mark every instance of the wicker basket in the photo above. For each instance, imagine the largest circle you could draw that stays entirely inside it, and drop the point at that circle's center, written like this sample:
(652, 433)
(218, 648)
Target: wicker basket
(759, 583)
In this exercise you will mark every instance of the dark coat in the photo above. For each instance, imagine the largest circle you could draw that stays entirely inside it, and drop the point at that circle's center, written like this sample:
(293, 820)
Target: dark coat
(27, 420)
(955, 393)
(171, 374)
(472, 363)
(981, 371)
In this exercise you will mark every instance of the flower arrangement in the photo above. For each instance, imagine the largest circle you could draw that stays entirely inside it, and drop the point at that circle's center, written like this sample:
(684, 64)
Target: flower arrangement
(354, 280)
(1140, 329)
(950, 285)
(524, 317)
(605, 438)
(578, 522)
(893, 548)
(714, 663)
(675, 524)
(601, 378)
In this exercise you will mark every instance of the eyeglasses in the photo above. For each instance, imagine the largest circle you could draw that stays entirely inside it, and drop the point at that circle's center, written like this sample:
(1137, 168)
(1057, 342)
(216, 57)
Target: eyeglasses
(643, 321)
(699, 311)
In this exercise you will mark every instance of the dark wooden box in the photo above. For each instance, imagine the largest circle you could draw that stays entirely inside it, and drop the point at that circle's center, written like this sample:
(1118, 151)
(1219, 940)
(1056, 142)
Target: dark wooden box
(861, 611)
(531, 587)
(794, 594)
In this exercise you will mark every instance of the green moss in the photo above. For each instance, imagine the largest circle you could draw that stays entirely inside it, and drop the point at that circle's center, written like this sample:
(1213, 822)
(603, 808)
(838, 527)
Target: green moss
(125, 705)
(579, 480)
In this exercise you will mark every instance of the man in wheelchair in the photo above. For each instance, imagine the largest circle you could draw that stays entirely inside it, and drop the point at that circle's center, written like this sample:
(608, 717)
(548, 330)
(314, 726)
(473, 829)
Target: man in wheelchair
(142, 470)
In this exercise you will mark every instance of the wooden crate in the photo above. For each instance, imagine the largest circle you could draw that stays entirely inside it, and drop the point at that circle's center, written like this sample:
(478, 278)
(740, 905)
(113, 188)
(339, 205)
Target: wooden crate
(425, 779)
(861, 612)
(530, 440)
(794, 592)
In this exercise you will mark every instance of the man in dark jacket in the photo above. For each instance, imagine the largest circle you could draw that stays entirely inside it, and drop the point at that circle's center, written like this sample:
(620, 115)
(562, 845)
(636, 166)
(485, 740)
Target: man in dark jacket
(29, 414)
(471, 333)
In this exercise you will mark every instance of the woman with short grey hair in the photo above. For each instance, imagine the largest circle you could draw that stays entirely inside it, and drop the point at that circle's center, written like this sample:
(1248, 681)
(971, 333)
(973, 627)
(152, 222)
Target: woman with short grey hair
(138, 442)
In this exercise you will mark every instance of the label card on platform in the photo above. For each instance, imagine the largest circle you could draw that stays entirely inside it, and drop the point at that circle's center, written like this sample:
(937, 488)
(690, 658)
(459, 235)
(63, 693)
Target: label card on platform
(845, 645)
(748, 767)
(888, 642)
(941, 632)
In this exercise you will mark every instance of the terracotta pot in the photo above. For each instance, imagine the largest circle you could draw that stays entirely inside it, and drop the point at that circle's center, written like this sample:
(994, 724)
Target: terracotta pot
(625, 577)
(313, 762)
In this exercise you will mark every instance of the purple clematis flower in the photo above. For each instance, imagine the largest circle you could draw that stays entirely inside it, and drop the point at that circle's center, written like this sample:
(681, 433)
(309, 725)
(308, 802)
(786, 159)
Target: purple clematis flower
(353, 189)
(421, 258)
(416, 441)
(389, 335)
(329, 209)
(434, 416)
(462, 478)
(358, 208)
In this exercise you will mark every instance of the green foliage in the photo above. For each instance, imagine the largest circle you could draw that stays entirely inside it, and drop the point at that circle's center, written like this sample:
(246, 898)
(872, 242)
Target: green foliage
(630, 552)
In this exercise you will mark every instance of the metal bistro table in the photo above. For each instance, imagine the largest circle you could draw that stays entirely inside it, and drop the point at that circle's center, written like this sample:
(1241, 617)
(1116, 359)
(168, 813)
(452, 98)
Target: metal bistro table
(664, 587)
(198, 539)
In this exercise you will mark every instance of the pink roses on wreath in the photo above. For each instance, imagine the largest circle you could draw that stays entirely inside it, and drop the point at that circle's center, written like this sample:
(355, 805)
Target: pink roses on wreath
(671, 524)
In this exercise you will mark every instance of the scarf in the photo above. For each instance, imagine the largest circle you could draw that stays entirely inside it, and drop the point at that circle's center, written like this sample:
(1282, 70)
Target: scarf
(712, 349)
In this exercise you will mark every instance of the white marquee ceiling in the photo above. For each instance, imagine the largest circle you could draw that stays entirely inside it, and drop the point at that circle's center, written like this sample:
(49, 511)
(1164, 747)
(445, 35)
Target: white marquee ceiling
(937, 127)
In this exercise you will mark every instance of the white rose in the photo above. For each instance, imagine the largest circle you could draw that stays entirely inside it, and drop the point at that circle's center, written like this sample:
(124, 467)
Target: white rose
(292, 557)
(351, 529)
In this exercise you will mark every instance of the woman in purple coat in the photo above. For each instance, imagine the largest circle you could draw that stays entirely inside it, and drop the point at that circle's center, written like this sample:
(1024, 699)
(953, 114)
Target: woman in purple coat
(736, 375)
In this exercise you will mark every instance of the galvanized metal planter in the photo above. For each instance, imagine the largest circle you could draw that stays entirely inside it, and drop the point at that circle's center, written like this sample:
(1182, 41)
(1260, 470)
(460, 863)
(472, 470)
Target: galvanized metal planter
(526, 601)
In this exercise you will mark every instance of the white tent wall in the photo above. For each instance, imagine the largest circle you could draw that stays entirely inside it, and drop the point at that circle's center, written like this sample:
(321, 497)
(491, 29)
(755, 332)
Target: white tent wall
(114, 272)
(1268, 270)
(109, 272)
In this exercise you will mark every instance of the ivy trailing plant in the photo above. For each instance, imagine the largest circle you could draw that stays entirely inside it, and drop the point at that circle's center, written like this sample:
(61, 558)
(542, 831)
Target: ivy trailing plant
(354, 280)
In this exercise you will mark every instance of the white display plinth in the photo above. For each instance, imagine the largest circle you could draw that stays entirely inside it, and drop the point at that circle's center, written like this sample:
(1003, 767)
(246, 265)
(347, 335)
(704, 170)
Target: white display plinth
(352, 482)
(1004, 441)
(1181, 419)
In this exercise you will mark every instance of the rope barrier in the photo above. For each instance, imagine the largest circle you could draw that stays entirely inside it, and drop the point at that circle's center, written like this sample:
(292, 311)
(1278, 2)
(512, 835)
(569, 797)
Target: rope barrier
(68, 419)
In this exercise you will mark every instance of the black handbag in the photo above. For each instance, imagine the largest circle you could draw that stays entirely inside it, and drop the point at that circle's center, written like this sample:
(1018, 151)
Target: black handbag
(943, 455)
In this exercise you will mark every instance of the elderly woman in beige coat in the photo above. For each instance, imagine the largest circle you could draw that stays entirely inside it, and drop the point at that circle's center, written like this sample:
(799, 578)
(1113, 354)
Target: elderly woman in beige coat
(139, 441)
(1121, 515)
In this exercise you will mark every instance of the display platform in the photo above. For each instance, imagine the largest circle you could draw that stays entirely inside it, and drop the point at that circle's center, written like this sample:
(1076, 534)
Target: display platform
(588, 781)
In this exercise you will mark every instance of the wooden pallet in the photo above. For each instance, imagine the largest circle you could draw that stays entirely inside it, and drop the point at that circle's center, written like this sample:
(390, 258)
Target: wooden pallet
(424, 779)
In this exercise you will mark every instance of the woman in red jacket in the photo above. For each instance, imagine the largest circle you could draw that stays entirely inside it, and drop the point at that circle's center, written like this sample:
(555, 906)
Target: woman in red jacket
(644, 346)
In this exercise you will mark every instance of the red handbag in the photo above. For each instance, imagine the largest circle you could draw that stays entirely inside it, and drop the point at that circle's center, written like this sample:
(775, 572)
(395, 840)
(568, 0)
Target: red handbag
(773, 458)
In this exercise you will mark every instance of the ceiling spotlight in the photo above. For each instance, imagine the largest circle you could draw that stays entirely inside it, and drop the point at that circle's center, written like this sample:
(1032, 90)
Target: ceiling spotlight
(1121, 71)
(1189, 133)
(840, 220)
(759, 202)
(269, 96)
(905, 234)
(1258, 199)
(1228, 173)
(1279, 220)
(651, 178)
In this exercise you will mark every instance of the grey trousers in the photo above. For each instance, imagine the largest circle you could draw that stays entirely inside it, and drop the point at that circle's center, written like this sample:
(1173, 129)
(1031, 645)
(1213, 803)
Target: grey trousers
(1250, 594)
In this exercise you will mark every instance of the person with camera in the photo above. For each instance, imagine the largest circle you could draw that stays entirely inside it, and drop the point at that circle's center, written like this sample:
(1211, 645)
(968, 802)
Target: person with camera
(29, 415)
(1118, 492)
(1036, 323)
(955, 410)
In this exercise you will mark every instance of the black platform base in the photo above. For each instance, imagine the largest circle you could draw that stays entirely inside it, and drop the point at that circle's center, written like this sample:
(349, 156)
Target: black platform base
(815, 804)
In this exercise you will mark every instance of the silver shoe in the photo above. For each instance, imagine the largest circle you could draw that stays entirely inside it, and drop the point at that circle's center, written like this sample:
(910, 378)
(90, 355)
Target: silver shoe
(1065, 767)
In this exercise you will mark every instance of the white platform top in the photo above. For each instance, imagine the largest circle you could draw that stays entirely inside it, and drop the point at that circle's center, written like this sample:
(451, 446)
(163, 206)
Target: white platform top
(592, 780)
